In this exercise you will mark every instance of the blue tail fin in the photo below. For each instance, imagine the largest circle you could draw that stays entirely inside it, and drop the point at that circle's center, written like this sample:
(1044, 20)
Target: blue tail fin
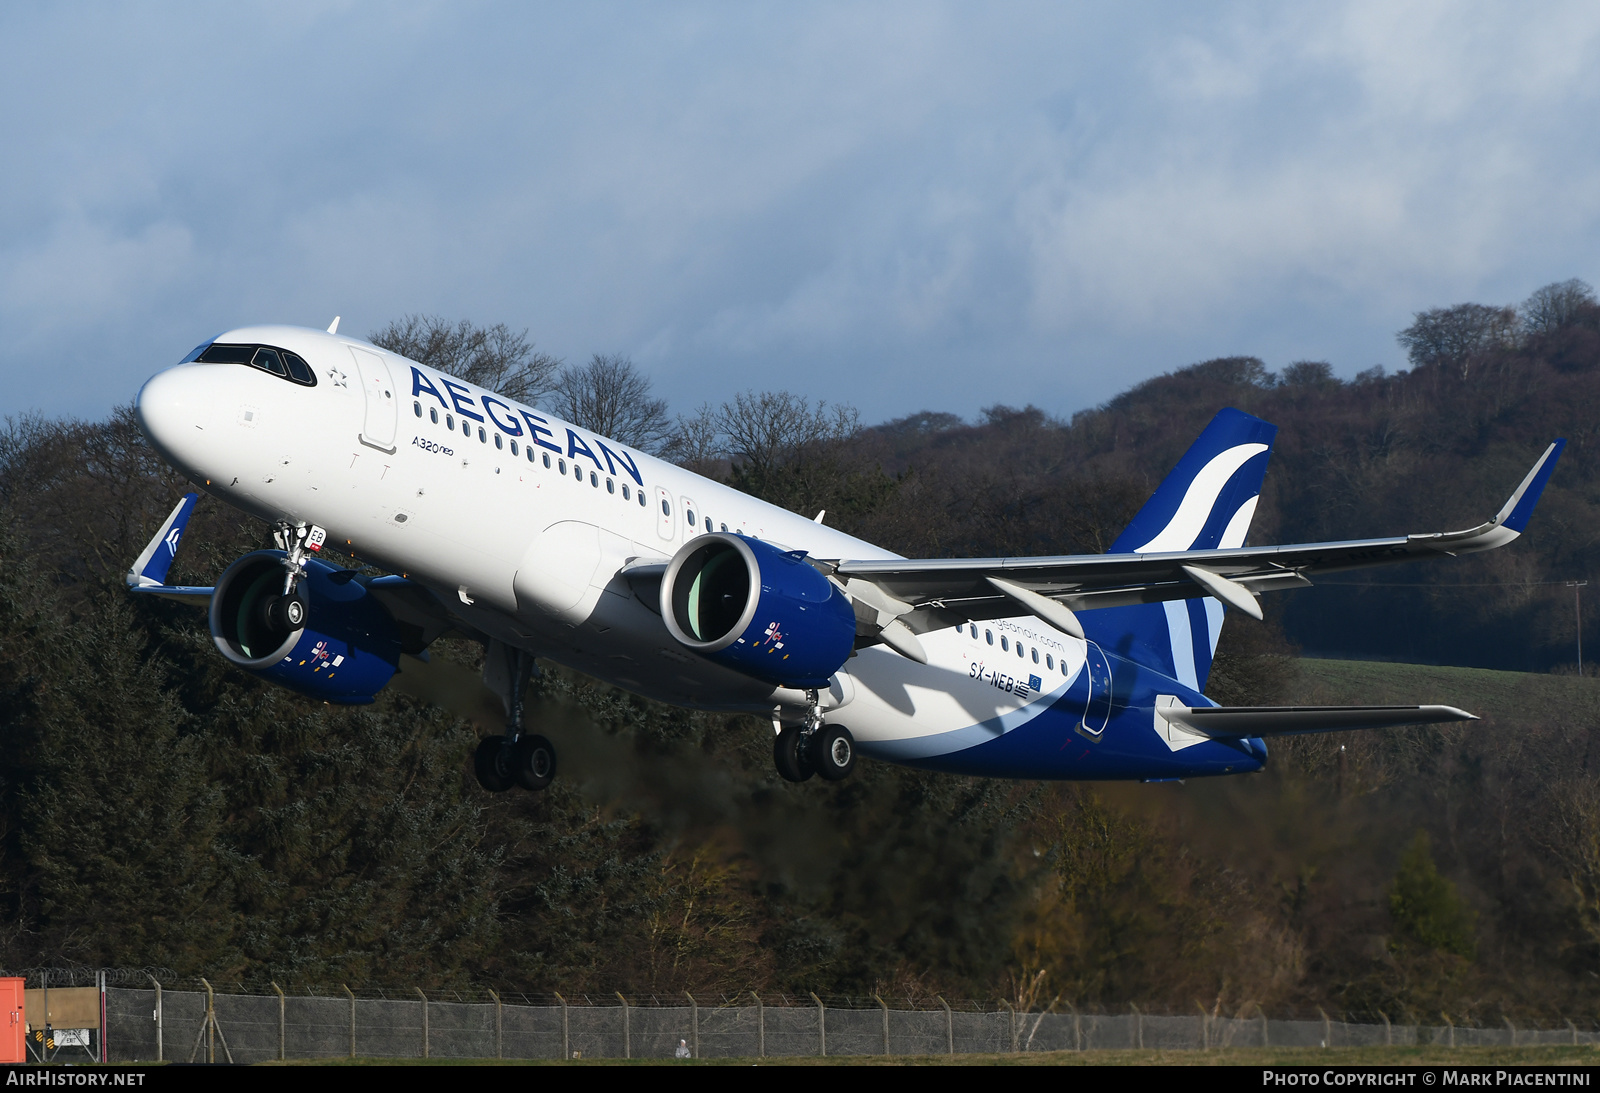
(1205, 503)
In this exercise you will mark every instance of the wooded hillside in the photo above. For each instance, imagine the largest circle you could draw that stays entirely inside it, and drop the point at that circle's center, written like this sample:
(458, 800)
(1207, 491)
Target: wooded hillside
(162, 808)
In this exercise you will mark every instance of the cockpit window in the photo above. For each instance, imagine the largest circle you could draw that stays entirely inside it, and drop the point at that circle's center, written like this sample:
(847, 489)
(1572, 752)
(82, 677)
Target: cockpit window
(280, 362)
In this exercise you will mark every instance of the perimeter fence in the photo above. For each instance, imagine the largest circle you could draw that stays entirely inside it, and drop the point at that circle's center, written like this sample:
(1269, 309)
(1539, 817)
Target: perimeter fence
(209, 1024)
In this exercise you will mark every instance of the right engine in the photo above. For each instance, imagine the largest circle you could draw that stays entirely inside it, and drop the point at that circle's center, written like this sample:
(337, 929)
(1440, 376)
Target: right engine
(346, 650)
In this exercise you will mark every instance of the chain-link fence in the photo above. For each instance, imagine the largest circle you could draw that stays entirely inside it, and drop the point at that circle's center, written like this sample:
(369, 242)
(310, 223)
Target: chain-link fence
(183, 1025)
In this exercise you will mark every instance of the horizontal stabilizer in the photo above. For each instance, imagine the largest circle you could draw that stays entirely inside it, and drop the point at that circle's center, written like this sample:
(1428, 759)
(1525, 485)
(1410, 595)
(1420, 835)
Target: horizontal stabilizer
(1236, 722)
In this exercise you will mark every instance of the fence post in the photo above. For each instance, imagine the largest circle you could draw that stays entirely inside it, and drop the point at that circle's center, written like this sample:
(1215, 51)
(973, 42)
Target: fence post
(1513, 1029)
(1451, 1025)
(352, 995)
(424, 1020)
(160, 1047)
(1388, 1032)
(822, 1025)
(211, 1025)
(885, 1007)
(761, 1026)
(1138, 1027)
(694, 1024)
(101, 983)
(566, 1040)
(1327, 1028)
(279, 991)
(1012, 1010)
(1077, 1028)
(949, 1024)
(1205, 1031)
(627, 1030)
(1263, 1014)
(499, 1028)
(1574, 1029)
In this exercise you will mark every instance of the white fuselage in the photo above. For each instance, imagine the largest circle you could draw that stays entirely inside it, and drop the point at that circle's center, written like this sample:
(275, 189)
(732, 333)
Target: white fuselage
(424, 475)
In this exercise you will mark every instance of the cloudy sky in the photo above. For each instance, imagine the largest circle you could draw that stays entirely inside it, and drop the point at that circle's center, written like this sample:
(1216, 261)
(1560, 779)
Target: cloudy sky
(897, 206)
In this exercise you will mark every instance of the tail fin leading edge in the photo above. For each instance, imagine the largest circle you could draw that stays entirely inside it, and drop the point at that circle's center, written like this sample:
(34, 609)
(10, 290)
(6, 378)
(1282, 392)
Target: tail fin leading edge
(1206, 503)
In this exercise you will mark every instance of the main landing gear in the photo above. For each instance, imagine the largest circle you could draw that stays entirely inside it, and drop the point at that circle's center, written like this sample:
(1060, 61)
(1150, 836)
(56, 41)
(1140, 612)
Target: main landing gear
(517, 758)
(814, 748)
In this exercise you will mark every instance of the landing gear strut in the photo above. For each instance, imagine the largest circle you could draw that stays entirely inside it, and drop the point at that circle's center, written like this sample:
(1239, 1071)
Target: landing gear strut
(289, 611)
(814, 748)
(517, 758)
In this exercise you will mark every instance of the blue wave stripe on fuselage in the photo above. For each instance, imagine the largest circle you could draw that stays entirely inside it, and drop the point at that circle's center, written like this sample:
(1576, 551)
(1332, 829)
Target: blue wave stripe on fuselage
(1041, 740)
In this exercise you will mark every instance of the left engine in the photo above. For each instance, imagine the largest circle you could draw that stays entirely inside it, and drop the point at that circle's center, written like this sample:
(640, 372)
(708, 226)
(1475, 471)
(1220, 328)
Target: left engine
(341, 646)
(758, 609)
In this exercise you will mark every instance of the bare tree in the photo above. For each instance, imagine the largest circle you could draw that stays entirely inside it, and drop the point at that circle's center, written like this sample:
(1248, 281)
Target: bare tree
(1456, 338)
(612, 397)
(493, 357)
(767, 430)
(1556, 305)
(1313, 374)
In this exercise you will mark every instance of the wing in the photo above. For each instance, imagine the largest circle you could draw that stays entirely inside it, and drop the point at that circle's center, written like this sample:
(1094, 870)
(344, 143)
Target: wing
(899, 598)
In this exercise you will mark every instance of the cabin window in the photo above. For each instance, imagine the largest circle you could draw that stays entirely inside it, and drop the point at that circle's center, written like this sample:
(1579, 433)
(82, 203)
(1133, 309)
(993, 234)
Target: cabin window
(433, 414)
(1049, 661)
(611, 487)
(594, 480)
(450, 422)
(483, 437)
(641, 498)
(416, 408)
(666, 507)
(1036, 656)
(529, 450)
(708, 525)
(466, 427)
(547, 461)
(497, 442)
(1021, 652)
(972, 626)
(724, 528)
(1005, 643)
(577, 472)
(514, 448)
(561, 465)
(690, 513)
(626, 496)
(988, 636)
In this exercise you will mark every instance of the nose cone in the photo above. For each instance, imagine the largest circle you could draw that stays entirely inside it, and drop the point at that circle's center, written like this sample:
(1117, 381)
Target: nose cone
(174, 412)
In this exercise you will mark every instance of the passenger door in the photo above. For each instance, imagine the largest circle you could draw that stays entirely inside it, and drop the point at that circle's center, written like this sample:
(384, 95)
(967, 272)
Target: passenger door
(377, 387)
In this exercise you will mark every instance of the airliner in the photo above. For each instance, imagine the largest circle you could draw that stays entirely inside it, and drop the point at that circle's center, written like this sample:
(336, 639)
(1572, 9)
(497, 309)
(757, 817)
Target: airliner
(505, 525)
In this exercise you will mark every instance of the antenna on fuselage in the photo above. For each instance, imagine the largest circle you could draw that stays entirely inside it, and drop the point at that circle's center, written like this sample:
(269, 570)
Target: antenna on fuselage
(333, 327)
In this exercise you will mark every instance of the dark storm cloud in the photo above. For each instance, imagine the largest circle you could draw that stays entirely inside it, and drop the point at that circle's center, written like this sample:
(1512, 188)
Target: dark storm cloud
(897, 206)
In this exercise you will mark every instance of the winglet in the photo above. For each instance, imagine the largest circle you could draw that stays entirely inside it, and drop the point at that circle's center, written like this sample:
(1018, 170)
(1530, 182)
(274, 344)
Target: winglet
(150, 568)
(1514, 515)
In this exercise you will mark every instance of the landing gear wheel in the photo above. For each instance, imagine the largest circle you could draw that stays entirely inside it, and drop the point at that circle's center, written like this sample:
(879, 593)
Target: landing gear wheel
(533, 762)
(490, 764)
(284, 614)
(833, 750)
(791, 754)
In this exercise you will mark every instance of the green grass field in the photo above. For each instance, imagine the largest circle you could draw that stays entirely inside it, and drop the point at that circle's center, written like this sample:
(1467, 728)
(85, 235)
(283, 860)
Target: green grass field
(1502, 698)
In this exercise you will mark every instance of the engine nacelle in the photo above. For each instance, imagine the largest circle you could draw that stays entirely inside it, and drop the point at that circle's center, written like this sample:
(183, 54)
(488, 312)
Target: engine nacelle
(757, 609)
(347, 651)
